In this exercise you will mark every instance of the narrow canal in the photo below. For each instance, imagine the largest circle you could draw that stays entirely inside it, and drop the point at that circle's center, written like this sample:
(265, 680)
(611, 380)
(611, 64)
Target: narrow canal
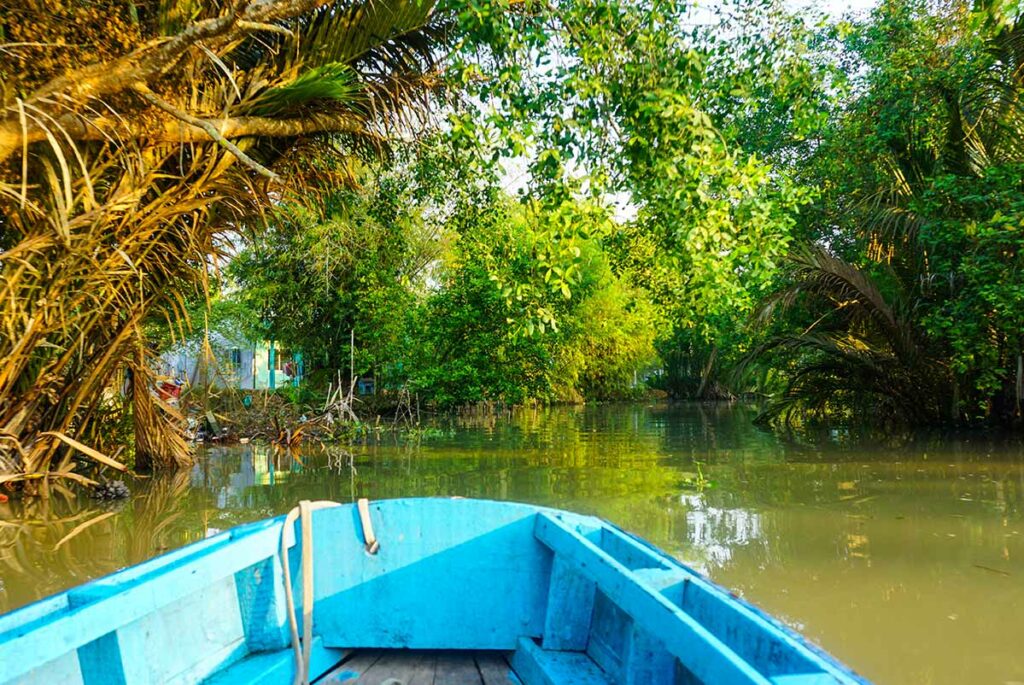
(904, 559)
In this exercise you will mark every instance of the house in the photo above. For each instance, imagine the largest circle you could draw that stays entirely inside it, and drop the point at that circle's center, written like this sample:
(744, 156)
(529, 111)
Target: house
(366, 386)
(228, 360)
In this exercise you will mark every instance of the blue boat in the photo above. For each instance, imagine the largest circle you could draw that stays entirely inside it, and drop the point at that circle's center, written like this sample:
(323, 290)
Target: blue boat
(409, 592)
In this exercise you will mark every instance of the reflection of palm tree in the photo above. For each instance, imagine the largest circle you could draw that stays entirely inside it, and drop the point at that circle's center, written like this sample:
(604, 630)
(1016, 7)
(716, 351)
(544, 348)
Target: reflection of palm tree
(1010, 492)
(42, 542)
(154, 514)
(58, 542)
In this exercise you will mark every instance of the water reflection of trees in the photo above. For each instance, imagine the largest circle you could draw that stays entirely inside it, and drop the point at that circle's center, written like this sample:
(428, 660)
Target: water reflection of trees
(556, 458)
(47, 545)
(935, 487)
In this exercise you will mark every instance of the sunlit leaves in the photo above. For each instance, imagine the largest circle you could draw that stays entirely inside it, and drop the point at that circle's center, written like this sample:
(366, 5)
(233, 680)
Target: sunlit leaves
(616, 99)
(920, 172)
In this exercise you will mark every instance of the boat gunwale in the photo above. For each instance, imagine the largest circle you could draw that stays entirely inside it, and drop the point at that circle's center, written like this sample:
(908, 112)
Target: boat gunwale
(85, 598)
(796, 639)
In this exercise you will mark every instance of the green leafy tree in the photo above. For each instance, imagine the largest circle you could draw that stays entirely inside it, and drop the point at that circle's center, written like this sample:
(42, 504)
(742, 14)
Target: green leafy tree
(613, 99)
(350, 264)
(911, 301)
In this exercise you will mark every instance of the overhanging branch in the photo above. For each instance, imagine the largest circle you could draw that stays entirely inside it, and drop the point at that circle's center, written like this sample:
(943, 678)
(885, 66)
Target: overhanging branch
(149, 61)
(86, 129)
(210, 129)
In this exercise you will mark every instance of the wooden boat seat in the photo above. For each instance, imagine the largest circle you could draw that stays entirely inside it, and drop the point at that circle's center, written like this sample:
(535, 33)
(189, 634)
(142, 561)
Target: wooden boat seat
(422, 667)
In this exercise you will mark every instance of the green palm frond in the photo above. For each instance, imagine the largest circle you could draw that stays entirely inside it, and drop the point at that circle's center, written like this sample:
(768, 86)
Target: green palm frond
(862, 344)
(392, 46)
(817, 274)
(331, 85)
(392, 33)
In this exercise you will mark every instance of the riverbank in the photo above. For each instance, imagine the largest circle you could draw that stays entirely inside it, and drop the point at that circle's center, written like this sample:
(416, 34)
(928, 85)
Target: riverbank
(289, 415)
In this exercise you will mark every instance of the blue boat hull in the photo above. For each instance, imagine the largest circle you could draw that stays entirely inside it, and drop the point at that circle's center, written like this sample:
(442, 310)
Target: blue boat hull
(569, 598)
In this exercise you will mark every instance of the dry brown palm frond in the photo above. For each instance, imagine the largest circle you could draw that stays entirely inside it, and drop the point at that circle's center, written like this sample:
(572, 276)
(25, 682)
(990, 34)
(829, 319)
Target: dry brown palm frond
(129, 156)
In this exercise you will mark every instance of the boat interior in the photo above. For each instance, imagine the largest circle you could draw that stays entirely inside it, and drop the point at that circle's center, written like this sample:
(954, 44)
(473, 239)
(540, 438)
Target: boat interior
(419, 667)
(402, 592)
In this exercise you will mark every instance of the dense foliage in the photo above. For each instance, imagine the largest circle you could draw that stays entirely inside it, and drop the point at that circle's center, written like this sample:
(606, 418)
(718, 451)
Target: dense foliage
(506, 201)
(909, 291)
(441, 286)
(640, 208)
(836, 226)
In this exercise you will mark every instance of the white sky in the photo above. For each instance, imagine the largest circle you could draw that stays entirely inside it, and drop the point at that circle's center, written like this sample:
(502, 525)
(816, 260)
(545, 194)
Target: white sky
(836, 8)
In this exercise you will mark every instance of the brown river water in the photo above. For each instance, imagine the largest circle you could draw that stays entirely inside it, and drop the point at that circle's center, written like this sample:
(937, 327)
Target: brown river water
(903, 557)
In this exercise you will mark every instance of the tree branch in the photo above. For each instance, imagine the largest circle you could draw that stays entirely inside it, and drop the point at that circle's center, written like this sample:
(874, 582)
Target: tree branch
(175, 131)
(142, 64)
(269, 28)
(211, 130)
(158, 56)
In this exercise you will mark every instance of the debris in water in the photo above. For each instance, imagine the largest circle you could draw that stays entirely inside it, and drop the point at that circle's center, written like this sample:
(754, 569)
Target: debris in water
(110, 489)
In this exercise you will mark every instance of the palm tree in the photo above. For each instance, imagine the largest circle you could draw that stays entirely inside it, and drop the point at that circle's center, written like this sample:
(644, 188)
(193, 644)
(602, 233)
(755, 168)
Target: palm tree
(133, 144)
(941, 129)
(862, 351)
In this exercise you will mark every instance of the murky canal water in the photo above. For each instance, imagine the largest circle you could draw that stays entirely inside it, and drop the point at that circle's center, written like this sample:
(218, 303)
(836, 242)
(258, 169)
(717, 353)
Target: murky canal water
(905, 560)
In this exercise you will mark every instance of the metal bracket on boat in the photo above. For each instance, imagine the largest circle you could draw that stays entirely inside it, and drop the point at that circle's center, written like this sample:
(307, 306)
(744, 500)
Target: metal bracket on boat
(372, 546)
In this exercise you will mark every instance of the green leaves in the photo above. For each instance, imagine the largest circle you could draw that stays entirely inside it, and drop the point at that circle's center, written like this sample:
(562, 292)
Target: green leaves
(921, 205)
(609, 99)
(334, 82)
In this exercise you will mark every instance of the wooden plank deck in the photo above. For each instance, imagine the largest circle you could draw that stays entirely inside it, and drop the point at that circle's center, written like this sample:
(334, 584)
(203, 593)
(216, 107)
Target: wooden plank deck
(421, 667)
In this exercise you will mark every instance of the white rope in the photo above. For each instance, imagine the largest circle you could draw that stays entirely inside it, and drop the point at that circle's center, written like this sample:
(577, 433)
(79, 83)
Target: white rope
(366, 523)
(302, 648)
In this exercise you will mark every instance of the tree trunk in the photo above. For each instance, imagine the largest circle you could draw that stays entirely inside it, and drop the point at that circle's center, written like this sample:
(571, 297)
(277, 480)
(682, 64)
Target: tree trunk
(159, 443)
(1020, 385)
(706, 376)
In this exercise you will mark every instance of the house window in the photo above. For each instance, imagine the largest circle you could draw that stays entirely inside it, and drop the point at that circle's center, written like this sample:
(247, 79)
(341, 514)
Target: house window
(236, 358)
